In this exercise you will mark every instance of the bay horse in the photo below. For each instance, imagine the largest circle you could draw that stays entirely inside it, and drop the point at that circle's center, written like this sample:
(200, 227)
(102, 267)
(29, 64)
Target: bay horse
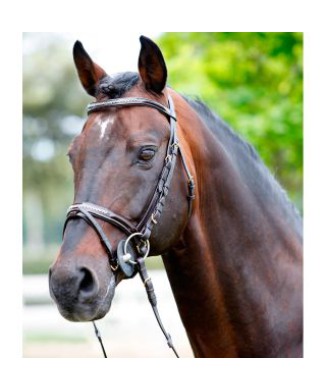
(163, 172)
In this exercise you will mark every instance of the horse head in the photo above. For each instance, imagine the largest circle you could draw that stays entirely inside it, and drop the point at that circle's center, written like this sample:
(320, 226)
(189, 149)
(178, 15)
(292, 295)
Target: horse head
(117, 161)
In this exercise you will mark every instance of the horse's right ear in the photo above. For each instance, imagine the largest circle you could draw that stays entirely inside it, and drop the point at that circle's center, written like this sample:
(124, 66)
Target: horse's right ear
(89, 73)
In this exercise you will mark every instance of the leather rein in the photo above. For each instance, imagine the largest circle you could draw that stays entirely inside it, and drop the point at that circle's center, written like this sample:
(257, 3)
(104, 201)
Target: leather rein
(132, 252)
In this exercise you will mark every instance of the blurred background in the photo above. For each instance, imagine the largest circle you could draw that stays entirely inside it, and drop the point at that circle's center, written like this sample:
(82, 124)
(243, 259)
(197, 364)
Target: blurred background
(252, 80)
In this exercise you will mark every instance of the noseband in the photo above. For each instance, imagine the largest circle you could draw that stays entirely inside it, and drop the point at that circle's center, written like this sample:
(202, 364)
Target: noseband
(132, 252)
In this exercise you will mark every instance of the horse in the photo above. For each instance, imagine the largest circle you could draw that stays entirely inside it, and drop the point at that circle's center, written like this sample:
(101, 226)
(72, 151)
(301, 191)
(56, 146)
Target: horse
(158, 172)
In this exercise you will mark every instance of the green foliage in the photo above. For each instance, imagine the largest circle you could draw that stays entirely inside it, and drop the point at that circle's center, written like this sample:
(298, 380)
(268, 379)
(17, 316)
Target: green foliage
(254, 82)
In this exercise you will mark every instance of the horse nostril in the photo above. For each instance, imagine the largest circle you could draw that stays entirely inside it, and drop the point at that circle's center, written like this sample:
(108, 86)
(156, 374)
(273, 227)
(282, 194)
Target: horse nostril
(88, 285)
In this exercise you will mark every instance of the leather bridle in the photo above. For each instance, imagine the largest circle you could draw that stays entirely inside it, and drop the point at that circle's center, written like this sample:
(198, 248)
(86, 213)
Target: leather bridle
(132, 252)
(90, 211)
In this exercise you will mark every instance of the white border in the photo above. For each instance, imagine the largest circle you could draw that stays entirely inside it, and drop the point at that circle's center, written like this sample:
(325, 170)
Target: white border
(170, 16)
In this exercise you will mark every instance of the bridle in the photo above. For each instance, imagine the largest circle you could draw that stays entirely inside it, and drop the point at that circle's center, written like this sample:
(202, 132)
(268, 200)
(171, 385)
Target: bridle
(132, 252)
(142, 231)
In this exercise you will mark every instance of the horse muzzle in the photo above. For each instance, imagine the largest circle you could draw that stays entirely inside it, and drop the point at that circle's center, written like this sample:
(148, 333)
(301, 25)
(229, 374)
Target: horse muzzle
(80, 292)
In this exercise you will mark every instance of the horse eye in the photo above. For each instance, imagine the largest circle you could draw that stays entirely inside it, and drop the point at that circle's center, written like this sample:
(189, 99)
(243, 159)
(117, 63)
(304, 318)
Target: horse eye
(147, 154)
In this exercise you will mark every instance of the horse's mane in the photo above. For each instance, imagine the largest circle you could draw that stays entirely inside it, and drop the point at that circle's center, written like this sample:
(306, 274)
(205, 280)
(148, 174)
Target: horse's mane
(258, 176)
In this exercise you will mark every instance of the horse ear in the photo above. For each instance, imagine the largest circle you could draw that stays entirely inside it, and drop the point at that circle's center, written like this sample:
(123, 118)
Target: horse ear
(89, 73)
(151, 66)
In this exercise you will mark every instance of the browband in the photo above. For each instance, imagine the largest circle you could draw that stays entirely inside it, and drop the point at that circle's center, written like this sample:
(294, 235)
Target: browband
(130, 101)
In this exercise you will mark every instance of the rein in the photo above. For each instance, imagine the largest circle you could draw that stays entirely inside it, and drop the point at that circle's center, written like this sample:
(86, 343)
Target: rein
(132, 252)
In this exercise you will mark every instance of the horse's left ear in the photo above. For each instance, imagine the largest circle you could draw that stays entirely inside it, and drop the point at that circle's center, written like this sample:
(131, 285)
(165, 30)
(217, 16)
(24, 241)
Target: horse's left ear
(151, 66)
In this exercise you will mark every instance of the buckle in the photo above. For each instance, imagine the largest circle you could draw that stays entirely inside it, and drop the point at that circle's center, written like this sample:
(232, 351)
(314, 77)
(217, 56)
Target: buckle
(168, 158)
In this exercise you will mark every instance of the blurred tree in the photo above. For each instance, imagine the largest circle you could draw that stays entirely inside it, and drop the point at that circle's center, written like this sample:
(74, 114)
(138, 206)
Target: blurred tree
(52, 108)
(254, 82)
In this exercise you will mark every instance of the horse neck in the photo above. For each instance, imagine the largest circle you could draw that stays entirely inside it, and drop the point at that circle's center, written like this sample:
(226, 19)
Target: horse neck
(235, 271)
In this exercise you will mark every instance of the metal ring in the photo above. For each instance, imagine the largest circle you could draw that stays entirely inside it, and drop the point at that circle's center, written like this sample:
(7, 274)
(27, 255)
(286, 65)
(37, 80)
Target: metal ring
(144, 241)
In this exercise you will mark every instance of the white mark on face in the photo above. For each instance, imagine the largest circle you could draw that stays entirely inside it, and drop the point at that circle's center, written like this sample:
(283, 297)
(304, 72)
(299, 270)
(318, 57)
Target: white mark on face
(105, 124)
